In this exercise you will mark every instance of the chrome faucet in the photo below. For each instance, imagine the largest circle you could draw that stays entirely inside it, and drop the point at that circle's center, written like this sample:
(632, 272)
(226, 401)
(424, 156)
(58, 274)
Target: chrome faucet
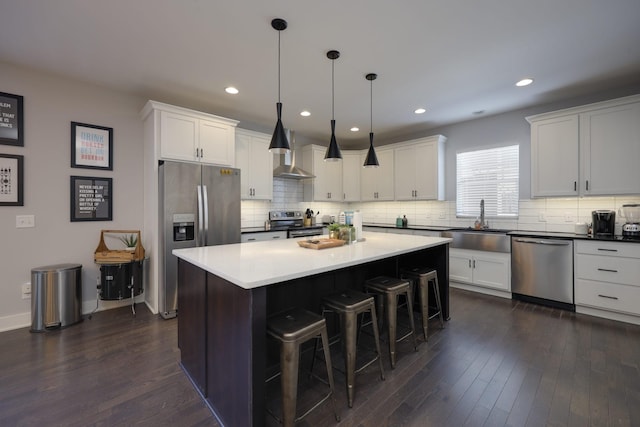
(482, 222)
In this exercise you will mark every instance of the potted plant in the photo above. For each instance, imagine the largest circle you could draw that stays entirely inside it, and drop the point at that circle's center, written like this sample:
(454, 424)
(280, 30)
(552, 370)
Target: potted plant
(334, 231)
(130, 241)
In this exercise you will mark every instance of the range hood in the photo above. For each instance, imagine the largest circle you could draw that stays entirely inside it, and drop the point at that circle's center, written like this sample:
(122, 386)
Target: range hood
(288, 168)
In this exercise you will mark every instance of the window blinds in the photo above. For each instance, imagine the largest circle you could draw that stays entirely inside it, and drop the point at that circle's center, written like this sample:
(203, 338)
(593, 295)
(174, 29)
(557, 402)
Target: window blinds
(492, 175)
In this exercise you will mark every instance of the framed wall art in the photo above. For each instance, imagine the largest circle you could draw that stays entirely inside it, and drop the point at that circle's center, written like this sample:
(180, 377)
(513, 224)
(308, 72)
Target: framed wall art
(91, 198)
(11, 119)
(11, 180)
(91, 146)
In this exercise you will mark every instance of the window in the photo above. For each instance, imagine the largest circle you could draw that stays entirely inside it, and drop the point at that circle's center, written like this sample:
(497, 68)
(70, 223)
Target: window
(491, 175)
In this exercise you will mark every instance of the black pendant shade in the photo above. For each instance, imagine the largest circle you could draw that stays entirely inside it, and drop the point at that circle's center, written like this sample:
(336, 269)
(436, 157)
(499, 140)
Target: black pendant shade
(279, 142)
(372, 160)
(333, 151)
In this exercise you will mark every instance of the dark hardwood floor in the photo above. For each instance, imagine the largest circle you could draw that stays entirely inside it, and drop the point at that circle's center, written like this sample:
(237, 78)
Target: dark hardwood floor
(497, 362)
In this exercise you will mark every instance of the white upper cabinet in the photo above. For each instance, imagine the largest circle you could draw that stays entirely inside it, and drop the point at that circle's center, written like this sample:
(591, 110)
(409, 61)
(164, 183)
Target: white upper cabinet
(610, 150)
(419, 169)
(193, 136)
(352, 162)
(554, 157)
(376, 184)
(587, 151)
(327, 185)
(255, 163)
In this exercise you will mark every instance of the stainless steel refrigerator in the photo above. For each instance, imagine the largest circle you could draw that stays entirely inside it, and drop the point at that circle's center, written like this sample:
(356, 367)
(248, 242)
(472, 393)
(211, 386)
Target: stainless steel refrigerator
(199, 206)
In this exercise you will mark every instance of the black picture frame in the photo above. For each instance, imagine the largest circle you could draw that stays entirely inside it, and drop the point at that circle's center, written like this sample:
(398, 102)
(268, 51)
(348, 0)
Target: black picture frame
(11, 119)
(91, 146)
(91, 198)
(11, 180)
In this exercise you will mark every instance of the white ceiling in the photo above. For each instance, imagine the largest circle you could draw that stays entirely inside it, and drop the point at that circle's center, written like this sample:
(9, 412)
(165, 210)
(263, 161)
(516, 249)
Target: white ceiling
(453, 57)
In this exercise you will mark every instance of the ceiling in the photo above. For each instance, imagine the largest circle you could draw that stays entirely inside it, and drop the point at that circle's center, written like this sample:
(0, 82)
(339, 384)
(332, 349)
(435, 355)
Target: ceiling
(453, 57)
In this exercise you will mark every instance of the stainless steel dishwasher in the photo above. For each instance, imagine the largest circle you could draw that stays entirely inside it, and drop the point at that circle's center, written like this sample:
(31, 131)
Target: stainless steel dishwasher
(542, 271)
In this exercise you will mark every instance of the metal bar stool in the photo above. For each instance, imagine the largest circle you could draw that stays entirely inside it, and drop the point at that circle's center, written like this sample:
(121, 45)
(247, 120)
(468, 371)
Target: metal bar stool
(391, 288)
(348, 305)
(422, 277)
(292, 328)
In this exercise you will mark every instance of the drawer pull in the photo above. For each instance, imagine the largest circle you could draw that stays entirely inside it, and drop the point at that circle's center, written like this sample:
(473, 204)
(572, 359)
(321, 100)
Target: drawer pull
(607, 270)
(607, 250)
(607, 296)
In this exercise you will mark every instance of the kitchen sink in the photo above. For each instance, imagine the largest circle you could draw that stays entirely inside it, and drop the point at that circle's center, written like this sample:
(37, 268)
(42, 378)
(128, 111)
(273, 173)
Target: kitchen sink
(485, 230)
(491, 240)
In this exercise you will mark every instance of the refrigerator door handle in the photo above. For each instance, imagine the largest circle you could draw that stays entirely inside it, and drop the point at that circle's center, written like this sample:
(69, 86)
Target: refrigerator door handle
(205, 204)
(200, 217)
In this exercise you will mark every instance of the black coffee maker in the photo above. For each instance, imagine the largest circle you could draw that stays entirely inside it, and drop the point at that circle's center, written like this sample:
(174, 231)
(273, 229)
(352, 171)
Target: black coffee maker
(604, 223)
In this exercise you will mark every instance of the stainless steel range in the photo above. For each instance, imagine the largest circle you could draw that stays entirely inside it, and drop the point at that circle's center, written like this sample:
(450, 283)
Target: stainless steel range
(293, 223)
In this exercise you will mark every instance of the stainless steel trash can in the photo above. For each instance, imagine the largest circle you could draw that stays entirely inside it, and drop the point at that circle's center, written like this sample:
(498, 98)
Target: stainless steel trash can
(56, 296)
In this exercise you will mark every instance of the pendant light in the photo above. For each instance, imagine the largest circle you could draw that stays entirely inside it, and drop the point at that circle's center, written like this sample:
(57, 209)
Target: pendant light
(372, 160)
(279, 142)
(333, 151)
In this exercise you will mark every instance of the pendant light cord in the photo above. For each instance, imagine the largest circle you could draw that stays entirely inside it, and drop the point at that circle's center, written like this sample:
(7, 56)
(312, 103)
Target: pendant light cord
(279, 65)
(333, 62)
(371, 116)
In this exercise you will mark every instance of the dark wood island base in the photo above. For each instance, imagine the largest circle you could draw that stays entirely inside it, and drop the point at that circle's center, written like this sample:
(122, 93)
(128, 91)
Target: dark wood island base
(222, 326)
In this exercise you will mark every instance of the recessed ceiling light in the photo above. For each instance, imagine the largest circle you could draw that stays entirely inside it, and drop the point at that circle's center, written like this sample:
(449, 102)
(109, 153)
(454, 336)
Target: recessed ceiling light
(355, 129)
(524, 82)
(305, 113)
(231, 90)
(420, 111)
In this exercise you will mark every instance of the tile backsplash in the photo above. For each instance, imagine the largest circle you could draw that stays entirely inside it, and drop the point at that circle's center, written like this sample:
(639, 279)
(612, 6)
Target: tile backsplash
(550, 214)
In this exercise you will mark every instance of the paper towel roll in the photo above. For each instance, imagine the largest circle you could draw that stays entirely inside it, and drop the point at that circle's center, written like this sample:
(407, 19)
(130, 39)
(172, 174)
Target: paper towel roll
(357, 224)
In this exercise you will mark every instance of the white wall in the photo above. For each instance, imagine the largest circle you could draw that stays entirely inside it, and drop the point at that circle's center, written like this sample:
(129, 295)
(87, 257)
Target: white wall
(50, 104)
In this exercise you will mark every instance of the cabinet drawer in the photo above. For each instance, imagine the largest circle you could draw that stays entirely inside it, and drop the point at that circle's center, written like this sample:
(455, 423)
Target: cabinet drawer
(608, 269)
(629, 250)
(608, 296)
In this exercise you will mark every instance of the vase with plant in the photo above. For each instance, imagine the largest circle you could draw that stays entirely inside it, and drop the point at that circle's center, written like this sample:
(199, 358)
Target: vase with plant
(130, 241)
(334, 231)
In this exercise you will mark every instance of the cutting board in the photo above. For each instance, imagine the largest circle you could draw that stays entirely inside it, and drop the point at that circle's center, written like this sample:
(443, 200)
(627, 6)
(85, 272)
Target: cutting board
(320, 243)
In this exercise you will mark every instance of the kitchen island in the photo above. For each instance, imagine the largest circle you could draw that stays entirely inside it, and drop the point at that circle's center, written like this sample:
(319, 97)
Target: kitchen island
(225, 294)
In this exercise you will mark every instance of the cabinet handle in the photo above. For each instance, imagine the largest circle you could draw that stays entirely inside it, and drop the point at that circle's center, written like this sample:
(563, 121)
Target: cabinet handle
(474, 263)
(251, 240)
(575, 185)
(587, 184)
(607, 250)
(469, 263)
(607, 270)
(275, 237)
(607, 296)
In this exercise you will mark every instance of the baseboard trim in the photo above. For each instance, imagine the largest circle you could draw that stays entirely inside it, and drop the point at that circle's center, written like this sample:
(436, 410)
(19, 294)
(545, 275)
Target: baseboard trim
(611, 315)
(481, 290)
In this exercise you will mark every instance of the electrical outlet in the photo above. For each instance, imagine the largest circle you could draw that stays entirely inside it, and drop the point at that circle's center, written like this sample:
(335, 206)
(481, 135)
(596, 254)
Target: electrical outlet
(542, 217)
(25, 221)
(26, 290)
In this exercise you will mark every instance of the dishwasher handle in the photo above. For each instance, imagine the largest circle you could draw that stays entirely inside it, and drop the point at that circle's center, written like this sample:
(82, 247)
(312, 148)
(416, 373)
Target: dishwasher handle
(544, 242)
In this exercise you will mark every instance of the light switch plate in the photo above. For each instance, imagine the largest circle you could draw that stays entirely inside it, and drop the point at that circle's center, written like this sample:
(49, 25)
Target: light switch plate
(25, 221)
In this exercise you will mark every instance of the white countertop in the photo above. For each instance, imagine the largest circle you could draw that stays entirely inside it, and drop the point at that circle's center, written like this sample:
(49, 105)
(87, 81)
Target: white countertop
(251, 265)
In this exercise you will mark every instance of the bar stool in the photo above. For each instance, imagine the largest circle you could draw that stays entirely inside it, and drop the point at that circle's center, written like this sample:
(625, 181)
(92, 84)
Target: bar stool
(389, 289)
(423, 277)
(292, 328)
(348, 305)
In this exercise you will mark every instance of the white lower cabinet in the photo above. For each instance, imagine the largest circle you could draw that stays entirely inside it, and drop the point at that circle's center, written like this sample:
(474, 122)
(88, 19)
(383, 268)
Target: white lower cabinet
(607, 279)
(491, 270)
(262, 237)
